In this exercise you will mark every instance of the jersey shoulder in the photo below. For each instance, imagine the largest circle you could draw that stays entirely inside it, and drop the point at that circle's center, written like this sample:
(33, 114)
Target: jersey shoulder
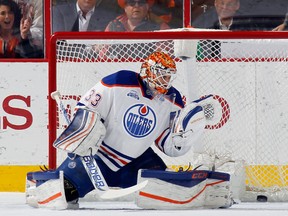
(123, 78)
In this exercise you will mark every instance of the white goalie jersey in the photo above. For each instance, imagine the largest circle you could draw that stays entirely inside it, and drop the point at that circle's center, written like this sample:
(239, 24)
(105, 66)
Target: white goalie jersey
(136, 119)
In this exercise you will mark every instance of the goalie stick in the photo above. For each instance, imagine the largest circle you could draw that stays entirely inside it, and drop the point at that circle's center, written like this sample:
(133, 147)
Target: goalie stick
(93, 169)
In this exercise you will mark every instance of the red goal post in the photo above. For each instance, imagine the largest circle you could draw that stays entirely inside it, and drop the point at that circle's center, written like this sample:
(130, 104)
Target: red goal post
(245, 71)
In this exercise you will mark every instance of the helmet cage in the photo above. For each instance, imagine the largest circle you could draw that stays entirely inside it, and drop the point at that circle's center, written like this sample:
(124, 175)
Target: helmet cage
(161, 78)
(158, 72)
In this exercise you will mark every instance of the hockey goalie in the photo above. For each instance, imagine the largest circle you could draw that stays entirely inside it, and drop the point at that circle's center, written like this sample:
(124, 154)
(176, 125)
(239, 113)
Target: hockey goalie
(115, 123)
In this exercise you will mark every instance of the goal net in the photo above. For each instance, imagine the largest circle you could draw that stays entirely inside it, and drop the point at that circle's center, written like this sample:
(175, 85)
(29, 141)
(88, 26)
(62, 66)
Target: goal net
(247, 75)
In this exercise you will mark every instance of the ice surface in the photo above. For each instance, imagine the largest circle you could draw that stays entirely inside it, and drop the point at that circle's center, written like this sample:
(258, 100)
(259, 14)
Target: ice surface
(14, 204)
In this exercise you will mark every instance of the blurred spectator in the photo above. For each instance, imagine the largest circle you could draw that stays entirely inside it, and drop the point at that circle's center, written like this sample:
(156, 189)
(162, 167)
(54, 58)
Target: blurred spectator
(162, 9)
(36, 13)
(33, 10)
(168, 11)
(82, 15)
(224, 16)
(136, 17)
(58, 2)
(15, 38)
(199, 7)
(177, 15)
(226, 9)
(283, 26)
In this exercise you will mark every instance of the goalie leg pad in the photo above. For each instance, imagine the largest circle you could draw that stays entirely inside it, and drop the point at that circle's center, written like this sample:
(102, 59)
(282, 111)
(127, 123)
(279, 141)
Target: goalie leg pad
(42, 192)
(218, 195)
(183, 190)
(77, 175)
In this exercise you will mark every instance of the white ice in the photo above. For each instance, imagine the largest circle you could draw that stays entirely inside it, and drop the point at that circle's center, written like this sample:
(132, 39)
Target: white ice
(14, 204)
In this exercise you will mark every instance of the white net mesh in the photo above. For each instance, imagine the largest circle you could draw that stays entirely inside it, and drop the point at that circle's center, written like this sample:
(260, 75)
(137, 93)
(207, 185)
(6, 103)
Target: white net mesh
(248, 79)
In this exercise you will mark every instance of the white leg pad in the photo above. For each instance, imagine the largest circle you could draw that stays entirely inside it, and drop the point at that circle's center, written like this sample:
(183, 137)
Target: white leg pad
(201, 190)
(159, 194)
(218, 195)
(50, 194)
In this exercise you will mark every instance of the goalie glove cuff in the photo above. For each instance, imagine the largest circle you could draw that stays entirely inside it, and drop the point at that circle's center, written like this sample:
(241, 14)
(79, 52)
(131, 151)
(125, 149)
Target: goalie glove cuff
(189, 123)
(188, 120)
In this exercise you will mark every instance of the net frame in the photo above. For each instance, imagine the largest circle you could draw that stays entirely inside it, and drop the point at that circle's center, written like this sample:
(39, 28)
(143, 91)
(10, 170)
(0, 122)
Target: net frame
(133, 36)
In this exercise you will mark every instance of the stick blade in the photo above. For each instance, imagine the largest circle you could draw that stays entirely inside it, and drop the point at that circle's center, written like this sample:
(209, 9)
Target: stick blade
(115, 193)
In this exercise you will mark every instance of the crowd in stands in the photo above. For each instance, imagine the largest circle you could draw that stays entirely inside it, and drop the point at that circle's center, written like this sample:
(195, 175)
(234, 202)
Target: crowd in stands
(136, 17)
(241, 15)
(283, 26)
(21, 29)
(21, 21)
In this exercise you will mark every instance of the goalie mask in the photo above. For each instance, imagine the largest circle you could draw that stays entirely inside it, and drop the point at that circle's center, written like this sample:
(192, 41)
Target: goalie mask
(158, 71)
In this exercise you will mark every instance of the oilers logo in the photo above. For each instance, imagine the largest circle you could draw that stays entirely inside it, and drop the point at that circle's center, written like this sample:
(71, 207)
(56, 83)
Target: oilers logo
(139, 120)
